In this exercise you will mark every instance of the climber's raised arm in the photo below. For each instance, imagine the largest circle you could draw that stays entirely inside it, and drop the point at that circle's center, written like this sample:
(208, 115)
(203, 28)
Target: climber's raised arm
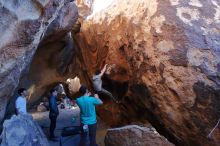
(103, 70)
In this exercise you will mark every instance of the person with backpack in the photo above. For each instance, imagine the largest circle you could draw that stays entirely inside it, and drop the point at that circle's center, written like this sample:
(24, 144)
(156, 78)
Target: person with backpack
(21, 103)
(54, 112)
(87, 104)
(97, 83)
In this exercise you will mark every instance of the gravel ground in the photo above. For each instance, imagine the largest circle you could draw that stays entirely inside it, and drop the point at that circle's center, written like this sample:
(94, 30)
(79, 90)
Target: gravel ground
(66, 118)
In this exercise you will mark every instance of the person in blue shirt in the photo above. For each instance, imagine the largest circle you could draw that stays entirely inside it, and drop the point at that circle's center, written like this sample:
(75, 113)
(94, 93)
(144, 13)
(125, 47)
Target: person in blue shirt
(54, 112)
(88, 120)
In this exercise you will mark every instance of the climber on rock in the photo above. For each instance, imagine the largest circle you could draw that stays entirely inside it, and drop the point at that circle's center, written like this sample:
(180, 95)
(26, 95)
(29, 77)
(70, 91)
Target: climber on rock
(21, 103)
(97, 83)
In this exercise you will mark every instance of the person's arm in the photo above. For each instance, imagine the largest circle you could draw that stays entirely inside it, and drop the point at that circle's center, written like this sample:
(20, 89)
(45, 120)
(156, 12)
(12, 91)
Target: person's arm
(53, 104)
(99, 101)
(16, 107)
(103, 70)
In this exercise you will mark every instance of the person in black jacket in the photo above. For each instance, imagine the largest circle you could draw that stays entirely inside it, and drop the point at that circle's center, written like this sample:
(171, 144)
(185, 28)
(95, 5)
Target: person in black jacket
(54, 112)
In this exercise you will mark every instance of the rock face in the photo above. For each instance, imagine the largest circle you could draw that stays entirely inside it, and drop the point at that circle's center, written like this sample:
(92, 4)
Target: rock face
(63, 24)
(22, 131)
(23, 25)
(73, 85)
(134, 135)
(41, 108)
(167, 63)
(48, 67)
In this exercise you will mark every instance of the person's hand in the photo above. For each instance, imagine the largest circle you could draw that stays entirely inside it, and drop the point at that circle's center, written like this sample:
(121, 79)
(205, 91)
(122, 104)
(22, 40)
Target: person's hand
(108, 69)
(96, 95)
(89, 93)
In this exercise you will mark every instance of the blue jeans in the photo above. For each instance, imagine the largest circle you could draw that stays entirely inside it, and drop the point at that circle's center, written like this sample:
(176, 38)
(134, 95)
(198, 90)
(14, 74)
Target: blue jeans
(92, 135)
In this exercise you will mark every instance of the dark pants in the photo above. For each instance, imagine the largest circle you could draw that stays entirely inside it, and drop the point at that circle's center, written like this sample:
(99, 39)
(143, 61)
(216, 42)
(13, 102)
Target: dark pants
(92, 136)
(106, 92)
(53, 121)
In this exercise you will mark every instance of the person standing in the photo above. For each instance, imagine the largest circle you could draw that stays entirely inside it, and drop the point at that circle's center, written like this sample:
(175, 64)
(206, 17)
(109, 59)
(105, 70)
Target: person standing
(54, 112)
(97, 83)
(88, 120)
(21, 103)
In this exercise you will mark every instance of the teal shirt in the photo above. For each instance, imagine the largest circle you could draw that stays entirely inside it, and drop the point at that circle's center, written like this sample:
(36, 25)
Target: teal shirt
(87, 109)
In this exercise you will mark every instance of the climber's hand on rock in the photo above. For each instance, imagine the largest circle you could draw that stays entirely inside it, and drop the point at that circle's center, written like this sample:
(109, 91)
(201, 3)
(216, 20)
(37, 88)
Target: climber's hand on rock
(108, 70)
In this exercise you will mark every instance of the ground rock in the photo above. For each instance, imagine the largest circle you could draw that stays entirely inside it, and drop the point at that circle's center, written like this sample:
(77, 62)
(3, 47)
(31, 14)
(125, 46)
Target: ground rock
(22, 130)
(134, 135)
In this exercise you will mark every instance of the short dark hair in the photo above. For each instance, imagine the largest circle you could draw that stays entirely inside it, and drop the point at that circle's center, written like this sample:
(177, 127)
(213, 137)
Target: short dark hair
(21, 90)
(97, 72)
(83, 89)
(52, 90)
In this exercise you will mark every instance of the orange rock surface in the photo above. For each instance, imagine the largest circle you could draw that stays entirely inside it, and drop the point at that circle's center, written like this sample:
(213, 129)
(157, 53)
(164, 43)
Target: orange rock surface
(166, 57)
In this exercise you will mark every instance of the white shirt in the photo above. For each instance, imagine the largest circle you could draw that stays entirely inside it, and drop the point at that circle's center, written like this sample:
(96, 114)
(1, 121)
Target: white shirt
(20, 105)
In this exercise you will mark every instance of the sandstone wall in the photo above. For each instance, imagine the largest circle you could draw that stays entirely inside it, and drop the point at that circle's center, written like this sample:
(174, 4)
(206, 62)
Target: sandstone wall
(23, 25)
(167, 54)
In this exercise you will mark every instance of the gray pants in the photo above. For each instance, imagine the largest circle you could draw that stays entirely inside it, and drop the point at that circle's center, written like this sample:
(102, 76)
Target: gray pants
(103, 91)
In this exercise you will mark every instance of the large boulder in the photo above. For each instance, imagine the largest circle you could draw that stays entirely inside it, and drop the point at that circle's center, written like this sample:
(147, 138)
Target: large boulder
(134, 135)
(22, 130)
(167, 57)
(23, 25)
